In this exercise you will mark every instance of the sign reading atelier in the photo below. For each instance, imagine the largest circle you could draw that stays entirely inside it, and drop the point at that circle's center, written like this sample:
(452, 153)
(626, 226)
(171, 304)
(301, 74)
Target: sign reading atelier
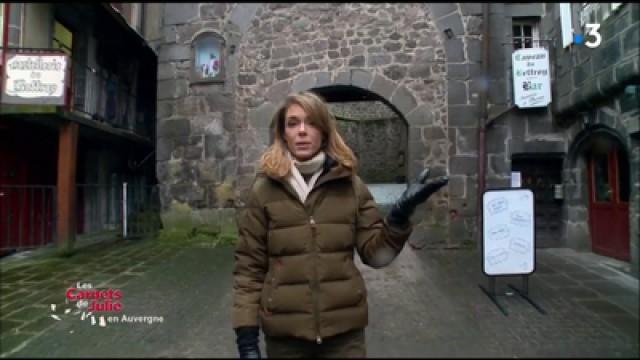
(35, 79)
(531, 77)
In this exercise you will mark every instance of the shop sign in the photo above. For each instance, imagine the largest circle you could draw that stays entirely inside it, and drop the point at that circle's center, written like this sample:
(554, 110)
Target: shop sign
(36, 79)
(531, 77)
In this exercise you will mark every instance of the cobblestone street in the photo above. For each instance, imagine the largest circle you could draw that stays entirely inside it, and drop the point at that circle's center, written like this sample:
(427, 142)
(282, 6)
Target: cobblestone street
(29, 286)
(427, 303)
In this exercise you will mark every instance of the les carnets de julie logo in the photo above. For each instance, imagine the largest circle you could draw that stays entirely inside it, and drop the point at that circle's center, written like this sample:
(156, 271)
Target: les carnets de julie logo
(100, 306)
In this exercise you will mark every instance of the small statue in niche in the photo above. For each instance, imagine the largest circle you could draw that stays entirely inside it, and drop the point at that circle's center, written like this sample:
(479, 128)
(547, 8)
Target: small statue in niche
(212, 67)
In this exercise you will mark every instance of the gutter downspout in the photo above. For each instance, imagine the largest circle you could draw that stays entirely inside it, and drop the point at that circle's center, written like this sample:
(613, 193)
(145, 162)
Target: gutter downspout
(483, 118)
(5, 44)
(142, 18)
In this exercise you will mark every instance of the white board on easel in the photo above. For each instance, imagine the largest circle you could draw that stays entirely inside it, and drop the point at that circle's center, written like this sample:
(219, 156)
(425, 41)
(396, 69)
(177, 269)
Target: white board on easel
(508, 239)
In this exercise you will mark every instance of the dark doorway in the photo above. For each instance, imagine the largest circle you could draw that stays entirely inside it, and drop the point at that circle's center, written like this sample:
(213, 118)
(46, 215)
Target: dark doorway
(541, 173)
(375, 131)
(27, 185)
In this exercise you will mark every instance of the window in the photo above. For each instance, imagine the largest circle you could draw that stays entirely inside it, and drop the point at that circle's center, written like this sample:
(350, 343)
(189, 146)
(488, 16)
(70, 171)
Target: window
(62, 38)
(591, 13)
(602, 185)
(208, 58)
(525, 34)
(630, 99)
(13, 23)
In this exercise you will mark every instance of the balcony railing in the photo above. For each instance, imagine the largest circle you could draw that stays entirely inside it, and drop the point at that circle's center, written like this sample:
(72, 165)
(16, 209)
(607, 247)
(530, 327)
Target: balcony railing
(105, 98)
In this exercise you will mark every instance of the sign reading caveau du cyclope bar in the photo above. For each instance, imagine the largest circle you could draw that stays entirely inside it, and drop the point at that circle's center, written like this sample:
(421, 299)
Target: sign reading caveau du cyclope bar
(37, 79)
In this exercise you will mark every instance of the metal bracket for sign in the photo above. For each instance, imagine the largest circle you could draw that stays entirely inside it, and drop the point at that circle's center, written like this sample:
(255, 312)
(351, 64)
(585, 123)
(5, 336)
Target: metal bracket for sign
(524, 293)
(491, 293)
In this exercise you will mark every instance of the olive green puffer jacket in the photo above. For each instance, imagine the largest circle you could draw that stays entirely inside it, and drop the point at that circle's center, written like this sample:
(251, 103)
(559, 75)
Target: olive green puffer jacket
(294, 272)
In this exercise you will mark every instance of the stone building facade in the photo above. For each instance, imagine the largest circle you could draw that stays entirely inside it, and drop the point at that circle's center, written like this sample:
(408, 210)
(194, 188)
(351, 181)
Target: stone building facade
(421, 60)
(594, 112)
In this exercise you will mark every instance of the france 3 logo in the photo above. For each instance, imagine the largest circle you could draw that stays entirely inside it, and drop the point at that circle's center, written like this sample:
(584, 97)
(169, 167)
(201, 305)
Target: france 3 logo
(592, 31)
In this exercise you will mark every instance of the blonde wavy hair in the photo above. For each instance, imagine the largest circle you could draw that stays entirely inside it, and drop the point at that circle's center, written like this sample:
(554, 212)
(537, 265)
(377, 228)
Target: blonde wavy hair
(274, 161)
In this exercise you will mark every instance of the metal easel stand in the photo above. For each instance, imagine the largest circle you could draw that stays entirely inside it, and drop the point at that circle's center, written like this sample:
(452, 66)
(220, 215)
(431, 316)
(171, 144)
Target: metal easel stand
(524, 293)
(491, 293)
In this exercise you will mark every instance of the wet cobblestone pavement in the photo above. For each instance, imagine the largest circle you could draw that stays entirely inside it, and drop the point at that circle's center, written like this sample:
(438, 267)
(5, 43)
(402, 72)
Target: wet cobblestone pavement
(427, 303)
(29, 286)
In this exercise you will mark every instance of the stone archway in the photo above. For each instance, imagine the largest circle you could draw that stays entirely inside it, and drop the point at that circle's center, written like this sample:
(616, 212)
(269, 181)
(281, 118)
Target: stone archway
(393, 50)
(581, 142)
(398, 97)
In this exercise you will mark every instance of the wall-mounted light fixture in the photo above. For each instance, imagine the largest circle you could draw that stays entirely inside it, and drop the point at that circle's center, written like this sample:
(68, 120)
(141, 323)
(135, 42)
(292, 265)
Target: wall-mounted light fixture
(449, 33)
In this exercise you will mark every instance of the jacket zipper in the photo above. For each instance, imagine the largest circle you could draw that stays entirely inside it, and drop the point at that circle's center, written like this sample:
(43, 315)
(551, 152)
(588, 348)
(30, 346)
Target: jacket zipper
(312, 223)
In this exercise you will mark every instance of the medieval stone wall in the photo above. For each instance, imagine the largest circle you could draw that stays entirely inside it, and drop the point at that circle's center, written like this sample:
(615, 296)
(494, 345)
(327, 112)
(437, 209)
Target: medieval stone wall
(392, 50)
(210, 136)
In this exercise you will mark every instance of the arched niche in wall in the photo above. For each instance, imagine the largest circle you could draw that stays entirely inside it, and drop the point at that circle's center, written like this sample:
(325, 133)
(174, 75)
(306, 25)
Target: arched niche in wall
(207, 54)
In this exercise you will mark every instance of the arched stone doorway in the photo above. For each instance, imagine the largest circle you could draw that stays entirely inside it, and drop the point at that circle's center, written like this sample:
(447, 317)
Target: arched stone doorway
(400, 100)
(418, 150)
(377, 133)
(426, 141)
(599, 180)
(394, 51)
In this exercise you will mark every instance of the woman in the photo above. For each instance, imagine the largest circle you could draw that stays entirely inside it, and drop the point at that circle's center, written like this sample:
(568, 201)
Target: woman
(306, 212)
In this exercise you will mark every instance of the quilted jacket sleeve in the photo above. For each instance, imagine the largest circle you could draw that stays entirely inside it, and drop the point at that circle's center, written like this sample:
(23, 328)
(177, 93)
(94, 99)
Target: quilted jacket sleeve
(251, 262)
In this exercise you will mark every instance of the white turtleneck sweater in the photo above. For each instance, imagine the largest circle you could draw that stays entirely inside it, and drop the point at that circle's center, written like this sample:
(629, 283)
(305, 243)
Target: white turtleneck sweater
(302, 169)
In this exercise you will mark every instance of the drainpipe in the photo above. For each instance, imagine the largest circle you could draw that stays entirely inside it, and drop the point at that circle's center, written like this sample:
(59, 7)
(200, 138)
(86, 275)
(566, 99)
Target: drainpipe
(484, 89)
(142, 19)
(5, 43)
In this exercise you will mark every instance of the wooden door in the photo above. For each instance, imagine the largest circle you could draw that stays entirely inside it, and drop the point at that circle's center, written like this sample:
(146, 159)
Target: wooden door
(608, 179)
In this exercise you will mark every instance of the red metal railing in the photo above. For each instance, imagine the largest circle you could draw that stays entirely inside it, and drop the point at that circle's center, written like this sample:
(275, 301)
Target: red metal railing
(27, 216)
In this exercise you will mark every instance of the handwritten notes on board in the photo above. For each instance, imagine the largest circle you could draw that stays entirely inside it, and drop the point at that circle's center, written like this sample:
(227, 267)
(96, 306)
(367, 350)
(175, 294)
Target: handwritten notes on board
(508, 239)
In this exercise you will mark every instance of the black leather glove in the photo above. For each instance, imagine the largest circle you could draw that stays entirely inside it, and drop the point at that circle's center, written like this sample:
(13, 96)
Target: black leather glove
(415, 195)
(247, 340)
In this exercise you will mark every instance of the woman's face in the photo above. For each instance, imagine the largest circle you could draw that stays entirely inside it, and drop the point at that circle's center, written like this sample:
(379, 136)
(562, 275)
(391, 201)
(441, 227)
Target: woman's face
(302, 138)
